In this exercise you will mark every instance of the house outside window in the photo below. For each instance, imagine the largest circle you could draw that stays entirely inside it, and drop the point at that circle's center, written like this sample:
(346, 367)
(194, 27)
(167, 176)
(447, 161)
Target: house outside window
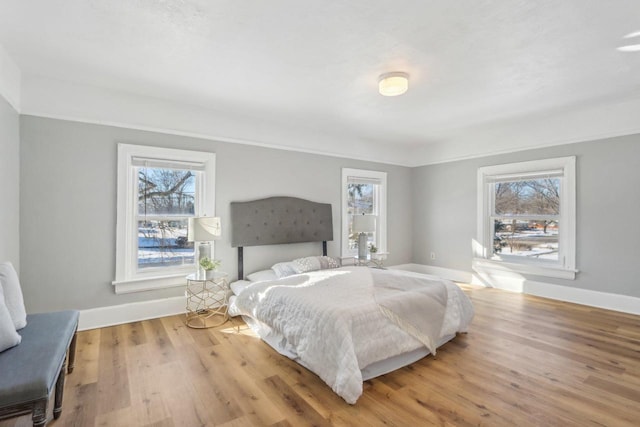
(363, 192)
(159, 189)
(526, 217)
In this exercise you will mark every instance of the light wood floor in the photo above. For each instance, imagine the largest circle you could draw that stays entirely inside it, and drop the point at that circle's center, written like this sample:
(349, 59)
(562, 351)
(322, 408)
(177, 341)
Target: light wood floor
(526, 361)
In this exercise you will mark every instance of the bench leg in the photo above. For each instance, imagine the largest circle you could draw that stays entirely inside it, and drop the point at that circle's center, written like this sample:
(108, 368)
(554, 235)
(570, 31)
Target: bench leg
(72, 352)
(57, 407)
(39, 416)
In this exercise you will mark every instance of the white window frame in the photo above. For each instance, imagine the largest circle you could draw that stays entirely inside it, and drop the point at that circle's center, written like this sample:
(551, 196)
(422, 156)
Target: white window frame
(128, 278)
(565, 267)
(381, 220)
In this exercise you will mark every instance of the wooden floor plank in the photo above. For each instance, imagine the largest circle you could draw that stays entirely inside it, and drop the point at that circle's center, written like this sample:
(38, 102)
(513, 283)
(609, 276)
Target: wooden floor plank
(296, 409)
(157, 338)
(146, 386)
(113, 382)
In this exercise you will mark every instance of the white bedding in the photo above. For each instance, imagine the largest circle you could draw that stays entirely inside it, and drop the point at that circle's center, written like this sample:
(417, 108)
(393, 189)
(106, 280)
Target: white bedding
(331, 321)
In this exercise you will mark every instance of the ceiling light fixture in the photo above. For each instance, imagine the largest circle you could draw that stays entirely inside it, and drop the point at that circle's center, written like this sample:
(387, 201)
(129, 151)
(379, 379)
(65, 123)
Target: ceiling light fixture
(630, 47)
(632, 35)
(393, 84)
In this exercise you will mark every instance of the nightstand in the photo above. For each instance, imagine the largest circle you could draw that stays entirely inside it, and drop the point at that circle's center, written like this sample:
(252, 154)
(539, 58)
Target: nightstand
(372, 260)
(207, 299)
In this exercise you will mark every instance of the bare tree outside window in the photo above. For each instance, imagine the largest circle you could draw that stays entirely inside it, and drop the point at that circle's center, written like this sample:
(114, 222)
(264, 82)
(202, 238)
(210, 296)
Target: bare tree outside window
(166, 200)
(360, 200)
(526, 216)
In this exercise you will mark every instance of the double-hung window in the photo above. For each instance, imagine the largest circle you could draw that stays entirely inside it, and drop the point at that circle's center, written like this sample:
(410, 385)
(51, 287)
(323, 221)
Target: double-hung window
(526, 220)
(363, 192)
(159, 189)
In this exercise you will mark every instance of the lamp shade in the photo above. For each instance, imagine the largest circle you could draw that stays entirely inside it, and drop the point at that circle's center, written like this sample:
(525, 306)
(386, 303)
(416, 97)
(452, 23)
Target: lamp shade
(204, 229)
(364, 223)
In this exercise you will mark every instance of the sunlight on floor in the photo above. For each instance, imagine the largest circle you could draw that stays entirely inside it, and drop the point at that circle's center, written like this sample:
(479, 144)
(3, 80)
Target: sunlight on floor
(238, 327)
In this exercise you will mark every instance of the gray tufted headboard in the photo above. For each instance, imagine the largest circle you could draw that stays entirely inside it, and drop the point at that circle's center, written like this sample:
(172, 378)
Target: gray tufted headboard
(277, 220)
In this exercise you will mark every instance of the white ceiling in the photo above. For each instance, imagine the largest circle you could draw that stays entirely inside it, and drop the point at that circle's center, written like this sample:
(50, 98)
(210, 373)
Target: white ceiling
(482, 72)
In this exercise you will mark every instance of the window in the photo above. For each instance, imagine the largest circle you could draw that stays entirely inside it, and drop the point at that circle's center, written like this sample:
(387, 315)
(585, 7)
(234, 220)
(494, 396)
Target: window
(363, 192)
(526, 220)
(159, 189)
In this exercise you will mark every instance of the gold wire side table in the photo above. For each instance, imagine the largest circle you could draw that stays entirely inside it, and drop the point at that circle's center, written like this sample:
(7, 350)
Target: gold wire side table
(207, 299)
(372, 260)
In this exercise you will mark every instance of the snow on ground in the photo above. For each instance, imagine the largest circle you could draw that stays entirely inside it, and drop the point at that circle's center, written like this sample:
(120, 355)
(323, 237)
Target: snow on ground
(543, 245)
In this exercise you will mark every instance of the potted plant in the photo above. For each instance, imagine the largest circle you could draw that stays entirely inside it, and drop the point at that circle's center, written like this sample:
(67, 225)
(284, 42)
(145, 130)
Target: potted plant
(209, 266)
(373, 250)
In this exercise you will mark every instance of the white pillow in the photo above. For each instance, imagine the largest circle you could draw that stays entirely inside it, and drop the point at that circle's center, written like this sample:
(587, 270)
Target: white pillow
(239, 286)
(13, 295)
(8, 335)
(313, 263)
(262, 275)
(284, 269)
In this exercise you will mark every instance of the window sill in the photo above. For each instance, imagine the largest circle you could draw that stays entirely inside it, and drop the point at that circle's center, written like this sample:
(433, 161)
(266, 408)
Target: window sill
(537, 270)
(149, 283)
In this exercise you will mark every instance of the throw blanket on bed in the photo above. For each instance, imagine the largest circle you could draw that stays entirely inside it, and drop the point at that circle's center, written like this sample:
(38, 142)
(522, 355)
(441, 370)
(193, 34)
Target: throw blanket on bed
(331, 323)
(417, 309)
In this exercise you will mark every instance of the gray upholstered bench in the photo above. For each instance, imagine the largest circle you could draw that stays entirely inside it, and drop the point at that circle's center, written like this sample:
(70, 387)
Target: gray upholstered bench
(29, 371)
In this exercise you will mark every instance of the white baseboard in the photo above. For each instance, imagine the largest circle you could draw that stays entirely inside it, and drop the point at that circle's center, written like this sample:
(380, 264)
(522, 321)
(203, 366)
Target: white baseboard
(617, 302)
(125, 313)
(517, 283)
(445, 273)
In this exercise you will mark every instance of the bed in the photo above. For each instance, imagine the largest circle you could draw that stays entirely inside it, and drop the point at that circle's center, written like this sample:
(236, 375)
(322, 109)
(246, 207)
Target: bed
(346, 324)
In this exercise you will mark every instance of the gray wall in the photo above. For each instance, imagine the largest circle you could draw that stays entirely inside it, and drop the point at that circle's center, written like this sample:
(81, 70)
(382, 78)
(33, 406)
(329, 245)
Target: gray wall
(68, 205)
(9, 184)
(608, 202)
(67, 199)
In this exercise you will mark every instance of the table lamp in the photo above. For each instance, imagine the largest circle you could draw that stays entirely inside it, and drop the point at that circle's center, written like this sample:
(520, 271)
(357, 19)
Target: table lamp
(204, 229)
(363, 224)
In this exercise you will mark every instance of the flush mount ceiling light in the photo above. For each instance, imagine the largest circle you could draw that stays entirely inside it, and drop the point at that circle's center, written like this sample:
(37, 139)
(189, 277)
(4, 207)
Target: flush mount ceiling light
(630, 47)
(393, 84)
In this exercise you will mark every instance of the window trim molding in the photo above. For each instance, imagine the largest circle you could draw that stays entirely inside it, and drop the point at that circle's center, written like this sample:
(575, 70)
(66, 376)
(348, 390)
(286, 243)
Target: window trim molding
(566, 267)
(126, 279)
(381, 224)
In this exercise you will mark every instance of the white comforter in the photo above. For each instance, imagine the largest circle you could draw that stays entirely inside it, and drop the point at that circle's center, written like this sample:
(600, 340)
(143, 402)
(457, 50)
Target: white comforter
(334, 321)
